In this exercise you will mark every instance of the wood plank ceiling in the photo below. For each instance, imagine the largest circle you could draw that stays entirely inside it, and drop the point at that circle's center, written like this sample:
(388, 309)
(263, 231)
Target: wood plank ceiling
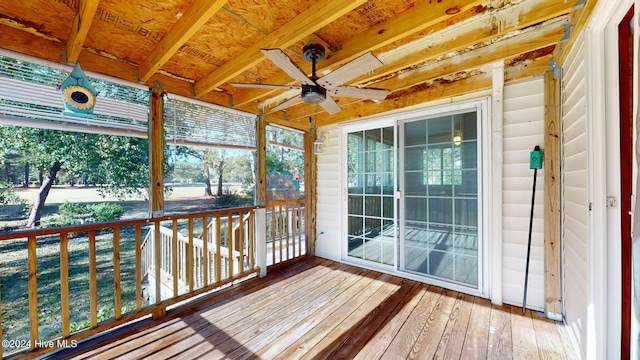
(430, 48)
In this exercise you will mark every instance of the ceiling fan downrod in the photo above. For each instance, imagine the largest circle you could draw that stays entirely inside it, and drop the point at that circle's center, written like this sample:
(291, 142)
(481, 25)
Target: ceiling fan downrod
(313, 94)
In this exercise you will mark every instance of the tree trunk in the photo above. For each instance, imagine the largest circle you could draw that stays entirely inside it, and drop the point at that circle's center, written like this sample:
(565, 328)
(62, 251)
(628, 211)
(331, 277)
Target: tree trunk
(25, 182)
(41, 197)
(207, 183)
(220, 182)
(207, 187)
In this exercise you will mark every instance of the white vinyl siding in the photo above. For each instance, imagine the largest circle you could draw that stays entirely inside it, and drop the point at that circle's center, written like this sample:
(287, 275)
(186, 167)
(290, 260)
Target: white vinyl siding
(523, 129)
(328, 218)
(575, 203)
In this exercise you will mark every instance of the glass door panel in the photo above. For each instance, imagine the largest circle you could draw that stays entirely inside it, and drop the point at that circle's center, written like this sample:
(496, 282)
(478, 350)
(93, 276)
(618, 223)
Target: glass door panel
(370, 205)
(439, 183)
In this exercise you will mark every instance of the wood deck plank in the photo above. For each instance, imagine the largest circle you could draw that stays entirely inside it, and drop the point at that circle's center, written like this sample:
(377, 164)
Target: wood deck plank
(320, 309)
(198, 323)
(236, 333)
(524, 344)
(450, 346)
(547, 338)
(358, 328)
(403, 342)
(297, 341)
(380, 341)
(499, 345)
(277, 339)
(433, 332)
(477, 337)
(220, 302)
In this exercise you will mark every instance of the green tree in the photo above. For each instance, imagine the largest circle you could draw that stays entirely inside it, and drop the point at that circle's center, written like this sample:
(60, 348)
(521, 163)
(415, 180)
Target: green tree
(117, 164)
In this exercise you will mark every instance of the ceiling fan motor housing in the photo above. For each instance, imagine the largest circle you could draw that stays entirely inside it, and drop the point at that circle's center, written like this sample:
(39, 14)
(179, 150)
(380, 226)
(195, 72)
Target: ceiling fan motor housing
(313, 52)
(313, 94)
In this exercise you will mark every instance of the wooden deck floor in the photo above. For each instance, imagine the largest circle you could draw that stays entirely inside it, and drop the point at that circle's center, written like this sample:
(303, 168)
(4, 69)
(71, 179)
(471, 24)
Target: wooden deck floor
(319, 309)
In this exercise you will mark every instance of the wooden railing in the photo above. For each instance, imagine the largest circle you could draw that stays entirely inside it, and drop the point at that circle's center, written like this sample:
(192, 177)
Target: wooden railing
(286, 236)
(102, 265)
(212, 258)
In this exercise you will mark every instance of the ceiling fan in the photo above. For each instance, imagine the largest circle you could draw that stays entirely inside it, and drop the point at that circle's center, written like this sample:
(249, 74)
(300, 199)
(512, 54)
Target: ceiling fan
(316, 90)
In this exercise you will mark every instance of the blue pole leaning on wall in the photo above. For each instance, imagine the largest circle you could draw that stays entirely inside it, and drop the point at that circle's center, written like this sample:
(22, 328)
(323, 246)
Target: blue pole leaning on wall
(535, 162)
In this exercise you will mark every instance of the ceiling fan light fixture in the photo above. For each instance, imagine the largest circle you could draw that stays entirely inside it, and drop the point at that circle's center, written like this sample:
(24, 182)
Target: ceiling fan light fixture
(313, 94)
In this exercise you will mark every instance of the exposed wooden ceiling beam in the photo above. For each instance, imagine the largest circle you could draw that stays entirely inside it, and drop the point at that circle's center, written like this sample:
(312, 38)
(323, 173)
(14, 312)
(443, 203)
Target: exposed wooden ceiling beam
(190, 22)
(531, 40)
(29, 44)
(313, 18)
(360, 109)
(410, 21)
(434, 92)
(80, 28)
(513, 18)
(527, 41)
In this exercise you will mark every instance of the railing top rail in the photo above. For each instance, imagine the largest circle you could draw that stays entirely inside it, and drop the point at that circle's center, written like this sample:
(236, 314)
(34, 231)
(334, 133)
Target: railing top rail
(120, 223)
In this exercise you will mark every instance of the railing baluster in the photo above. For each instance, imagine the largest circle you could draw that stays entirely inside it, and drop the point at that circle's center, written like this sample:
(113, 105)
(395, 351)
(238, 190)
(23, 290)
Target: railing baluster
(117, 289)
(241, 241)
(190, 255)
(287, 224)
(205, 251)
(218, 255)
(296, 234)
(280, 231)
(64, 283)
(138, 241)
(251, 247)
(274, 225)
(230, 237)
(158, 259)
(93, 280)
(33, 291)
(174, 257)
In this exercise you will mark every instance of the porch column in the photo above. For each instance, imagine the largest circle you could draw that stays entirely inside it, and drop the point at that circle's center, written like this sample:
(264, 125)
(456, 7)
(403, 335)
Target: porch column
(310, 188)
(552, 231)
(156, 152)
(261, 195)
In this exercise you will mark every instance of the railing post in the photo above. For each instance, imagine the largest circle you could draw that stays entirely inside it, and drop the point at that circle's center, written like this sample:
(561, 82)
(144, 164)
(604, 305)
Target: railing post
(261, 240)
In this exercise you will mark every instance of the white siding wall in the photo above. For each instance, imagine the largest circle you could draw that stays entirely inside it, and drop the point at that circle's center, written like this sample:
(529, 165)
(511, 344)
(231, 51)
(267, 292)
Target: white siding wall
(328, 244)
(575, 201)
(523, 129)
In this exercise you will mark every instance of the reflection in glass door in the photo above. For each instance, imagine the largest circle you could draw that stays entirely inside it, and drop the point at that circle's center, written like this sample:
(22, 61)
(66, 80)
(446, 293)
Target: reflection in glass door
(439, 187)
(370, 207)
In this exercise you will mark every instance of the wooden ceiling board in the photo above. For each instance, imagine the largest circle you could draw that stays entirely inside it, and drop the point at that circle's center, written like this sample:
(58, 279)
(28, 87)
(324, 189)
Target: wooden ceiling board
(367, 15)
(130, 29)
(266, 15)
(221, 39)
(311, 19)
(51, 19)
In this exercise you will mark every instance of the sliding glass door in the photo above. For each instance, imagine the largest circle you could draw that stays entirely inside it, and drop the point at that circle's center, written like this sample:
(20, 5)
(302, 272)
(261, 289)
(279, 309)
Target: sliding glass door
(413, 196)
(439, 203)
(370, 189)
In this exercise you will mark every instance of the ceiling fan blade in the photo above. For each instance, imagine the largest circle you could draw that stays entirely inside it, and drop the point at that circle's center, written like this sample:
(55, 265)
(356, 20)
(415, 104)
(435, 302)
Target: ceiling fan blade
(351, 70)
(266, 86)
(287, 65)
(288, 103)
(330, 106)
(359, 93)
